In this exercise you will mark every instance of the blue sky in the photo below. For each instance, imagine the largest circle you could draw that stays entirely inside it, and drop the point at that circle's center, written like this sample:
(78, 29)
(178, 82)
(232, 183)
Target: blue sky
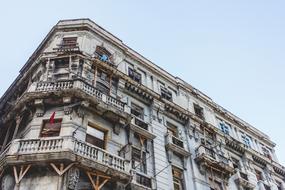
(232, 50)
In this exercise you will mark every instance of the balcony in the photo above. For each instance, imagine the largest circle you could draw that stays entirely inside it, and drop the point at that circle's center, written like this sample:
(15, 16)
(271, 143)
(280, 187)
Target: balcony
(106, 83)
(208, 158)
(235, 144)
(242, 179)
(176, 145)
(80, 88)
(69, 149)
(141, 127)
(140, 182)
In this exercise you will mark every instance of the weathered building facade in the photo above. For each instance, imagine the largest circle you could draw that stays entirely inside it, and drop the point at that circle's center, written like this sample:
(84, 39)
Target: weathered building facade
(88, 112)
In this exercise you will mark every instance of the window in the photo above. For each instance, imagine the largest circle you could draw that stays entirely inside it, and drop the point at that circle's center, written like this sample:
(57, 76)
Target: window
(96, 136)
(258, 175)
(61, 63)
(177, 178)
(143, 180)
(165, 93)
(102, 53)
(236, 163)
(266, 152)
(137, 111)
(139, 160)
(199, 111)
(246, 140)
(136, 154)
(51, 129)
(136, 76)
(103, 82)
(225, 128)
(172, 129)
(210, 136)
(69, 42)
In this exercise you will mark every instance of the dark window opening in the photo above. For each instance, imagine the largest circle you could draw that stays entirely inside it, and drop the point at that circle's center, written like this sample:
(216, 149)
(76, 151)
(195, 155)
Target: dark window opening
(70, 42)
(136, 155)
(51, 129)
(236, 164)
(139, 160)
(199, 111)
(103, 82)
(136, 76)
(258, 175)
(141, 124)
(143, 180)
(244, 176)
(3, 135)
(165, 93)
(137, 111)
(177, 142)
(61, 63)
(102, 53)
(172, 129)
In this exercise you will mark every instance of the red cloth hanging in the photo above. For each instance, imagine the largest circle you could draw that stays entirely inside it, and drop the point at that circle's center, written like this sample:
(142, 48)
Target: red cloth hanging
(51, 119)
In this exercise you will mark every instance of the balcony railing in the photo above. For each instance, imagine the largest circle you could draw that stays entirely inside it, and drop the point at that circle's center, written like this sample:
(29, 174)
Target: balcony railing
(212, 159)
(141, 181)
(67, 47)
(140, 123)
(174, 140)
(244, 180)
(175, 144)
(67, 144)
(207, 152)
(204, 151)
(141, 127)
(77, 84)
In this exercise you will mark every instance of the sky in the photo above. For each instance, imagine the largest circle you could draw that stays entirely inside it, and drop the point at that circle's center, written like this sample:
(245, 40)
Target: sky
(232, 50)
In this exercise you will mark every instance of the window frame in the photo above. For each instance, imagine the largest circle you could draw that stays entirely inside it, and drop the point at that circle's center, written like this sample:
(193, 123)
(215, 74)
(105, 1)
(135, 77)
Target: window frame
(246, 140)
(199, 111)
(47, 121)
(139, 109)
(225, 127)
(166, 93)
(101, 129)
(135, 75)
(178, 180)
(70, 42)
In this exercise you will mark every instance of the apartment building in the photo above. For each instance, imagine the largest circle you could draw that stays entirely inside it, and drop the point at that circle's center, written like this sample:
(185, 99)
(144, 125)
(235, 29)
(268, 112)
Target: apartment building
(88, 112)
